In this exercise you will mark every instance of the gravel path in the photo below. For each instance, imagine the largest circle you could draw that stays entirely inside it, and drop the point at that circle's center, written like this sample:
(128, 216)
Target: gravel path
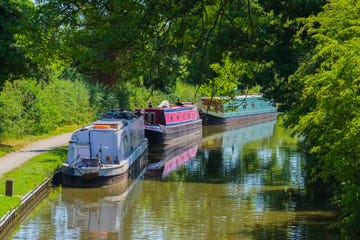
(15, 159)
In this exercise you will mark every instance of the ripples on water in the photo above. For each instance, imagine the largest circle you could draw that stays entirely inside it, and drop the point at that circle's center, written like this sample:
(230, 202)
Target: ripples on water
(240, 183)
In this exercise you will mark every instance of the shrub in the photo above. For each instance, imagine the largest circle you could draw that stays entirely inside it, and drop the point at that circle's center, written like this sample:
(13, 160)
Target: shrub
(17, 108)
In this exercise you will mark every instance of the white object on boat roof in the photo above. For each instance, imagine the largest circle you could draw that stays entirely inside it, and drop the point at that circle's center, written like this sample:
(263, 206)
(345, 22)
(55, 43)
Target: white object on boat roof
(164, 103)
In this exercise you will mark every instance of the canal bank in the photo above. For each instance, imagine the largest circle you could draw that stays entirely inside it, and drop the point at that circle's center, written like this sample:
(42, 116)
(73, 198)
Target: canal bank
(21, 198)
(16, 159)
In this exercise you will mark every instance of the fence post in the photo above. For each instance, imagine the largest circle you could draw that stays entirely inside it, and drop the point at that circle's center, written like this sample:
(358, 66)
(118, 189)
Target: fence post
(9, 188)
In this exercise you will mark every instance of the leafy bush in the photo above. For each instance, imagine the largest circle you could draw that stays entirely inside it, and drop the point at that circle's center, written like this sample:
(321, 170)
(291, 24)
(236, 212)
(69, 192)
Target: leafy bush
(140, 96)
(102, 98)
(30, 108)
(17, 111)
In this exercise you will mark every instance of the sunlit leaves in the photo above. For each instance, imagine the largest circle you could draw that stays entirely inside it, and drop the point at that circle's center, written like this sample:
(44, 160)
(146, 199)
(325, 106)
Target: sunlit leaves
(232, 75)
(327, 113)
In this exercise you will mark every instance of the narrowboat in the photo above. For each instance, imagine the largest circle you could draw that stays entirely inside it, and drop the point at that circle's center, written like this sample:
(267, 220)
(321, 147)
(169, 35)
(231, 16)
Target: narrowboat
(242, 109)
(168, 123)
(106, 151)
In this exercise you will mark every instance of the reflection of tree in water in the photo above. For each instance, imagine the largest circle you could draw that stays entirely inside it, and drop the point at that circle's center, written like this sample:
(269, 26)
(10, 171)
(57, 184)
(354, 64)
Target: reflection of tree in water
(213, 168)
(249, 161)
(261, 154)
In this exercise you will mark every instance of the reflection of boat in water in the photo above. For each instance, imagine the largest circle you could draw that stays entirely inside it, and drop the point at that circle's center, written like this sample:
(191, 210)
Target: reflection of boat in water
(168, 122)
(223, 153)
(235, 136)
(100, 211)
(164, 160)
(105, 151)
(243, 109)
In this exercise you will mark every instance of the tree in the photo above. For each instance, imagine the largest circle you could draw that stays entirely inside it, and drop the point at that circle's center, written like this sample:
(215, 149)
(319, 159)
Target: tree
(326, 113)
(13, 64)
(108, 41)
(232, 77)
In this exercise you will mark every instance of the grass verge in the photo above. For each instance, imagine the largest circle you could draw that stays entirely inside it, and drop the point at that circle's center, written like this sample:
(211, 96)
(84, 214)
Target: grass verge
(33, 172)
(28, 176)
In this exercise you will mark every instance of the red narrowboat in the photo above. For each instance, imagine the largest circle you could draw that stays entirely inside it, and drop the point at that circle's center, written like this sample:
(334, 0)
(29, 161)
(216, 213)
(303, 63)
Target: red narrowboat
(168, 123)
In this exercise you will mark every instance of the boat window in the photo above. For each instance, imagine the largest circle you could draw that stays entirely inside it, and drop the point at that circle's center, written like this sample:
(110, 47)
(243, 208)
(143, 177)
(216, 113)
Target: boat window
(252, 105)
(152, 117)
(244, 105)
(132, 139)
(126, 144)
(161, 118)
(260, 104)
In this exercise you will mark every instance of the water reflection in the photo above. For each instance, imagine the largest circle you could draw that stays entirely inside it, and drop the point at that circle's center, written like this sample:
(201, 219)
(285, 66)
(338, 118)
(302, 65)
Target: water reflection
(94, 213)
(223, 157)
(164, 160)
(243, 183)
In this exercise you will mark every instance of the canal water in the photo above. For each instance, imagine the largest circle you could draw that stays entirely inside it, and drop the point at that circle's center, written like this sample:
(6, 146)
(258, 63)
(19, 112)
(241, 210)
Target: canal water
(236, 183)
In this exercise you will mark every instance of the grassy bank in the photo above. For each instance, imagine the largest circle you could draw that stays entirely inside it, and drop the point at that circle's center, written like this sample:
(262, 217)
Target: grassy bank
(28, 176)
(33, 172)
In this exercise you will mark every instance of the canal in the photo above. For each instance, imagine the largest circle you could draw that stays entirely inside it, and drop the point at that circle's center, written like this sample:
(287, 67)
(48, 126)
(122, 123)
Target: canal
(235, 183)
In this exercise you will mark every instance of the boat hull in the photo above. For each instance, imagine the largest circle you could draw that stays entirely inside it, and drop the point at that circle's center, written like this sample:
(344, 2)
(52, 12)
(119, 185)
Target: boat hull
(218, 119)
(83, 181)
(89, 177)
(168, 135)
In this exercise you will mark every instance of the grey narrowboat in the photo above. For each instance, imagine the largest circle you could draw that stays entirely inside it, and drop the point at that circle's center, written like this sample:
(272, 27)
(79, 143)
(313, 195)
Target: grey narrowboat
(106, 151)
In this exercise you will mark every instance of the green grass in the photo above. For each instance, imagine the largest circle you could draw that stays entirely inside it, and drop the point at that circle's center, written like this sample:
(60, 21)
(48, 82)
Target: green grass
(28, 176)
(7, 204)
(33, 172)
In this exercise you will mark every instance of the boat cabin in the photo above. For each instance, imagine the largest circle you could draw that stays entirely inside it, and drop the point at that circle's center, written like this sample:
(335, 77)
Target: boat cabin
(105, 142)
(170, 114)
(243, 103)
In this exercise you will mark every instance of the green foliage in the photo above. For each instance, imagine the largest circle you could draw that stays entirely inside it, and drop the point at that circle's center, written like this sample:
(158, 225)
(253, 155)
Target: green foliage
(225, 84)
(232, 75)
(104, 98)
(16, 108)
(140, 97)
(327, 111)
(13, 15)
(184, 92)
(30, 108)
(63, 102)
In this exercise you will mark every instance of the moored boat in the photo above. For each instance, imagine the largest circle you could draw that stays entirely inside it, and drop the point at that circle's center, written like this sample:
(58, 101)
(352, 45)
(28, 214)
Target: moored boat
(242, 109)
(106, 151)
(167, 123)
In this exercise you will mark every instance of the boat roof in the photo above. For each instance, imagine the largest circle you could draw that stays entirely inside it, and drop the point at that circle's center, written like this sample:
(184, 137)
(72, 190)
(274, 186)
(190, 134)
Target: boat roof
(236, 96)
(165, 105)
(112, 120)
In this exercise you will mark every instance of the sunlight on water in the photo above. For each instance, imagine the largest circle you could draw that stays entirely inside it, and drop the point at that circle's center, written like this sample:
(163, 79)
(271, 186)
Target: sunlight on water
(240, 183)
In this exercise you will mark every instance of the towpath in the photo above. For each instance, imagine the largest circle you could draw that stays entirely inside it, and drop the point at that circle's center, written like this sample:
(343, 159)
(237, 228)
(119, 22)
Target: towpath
(15, 159)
